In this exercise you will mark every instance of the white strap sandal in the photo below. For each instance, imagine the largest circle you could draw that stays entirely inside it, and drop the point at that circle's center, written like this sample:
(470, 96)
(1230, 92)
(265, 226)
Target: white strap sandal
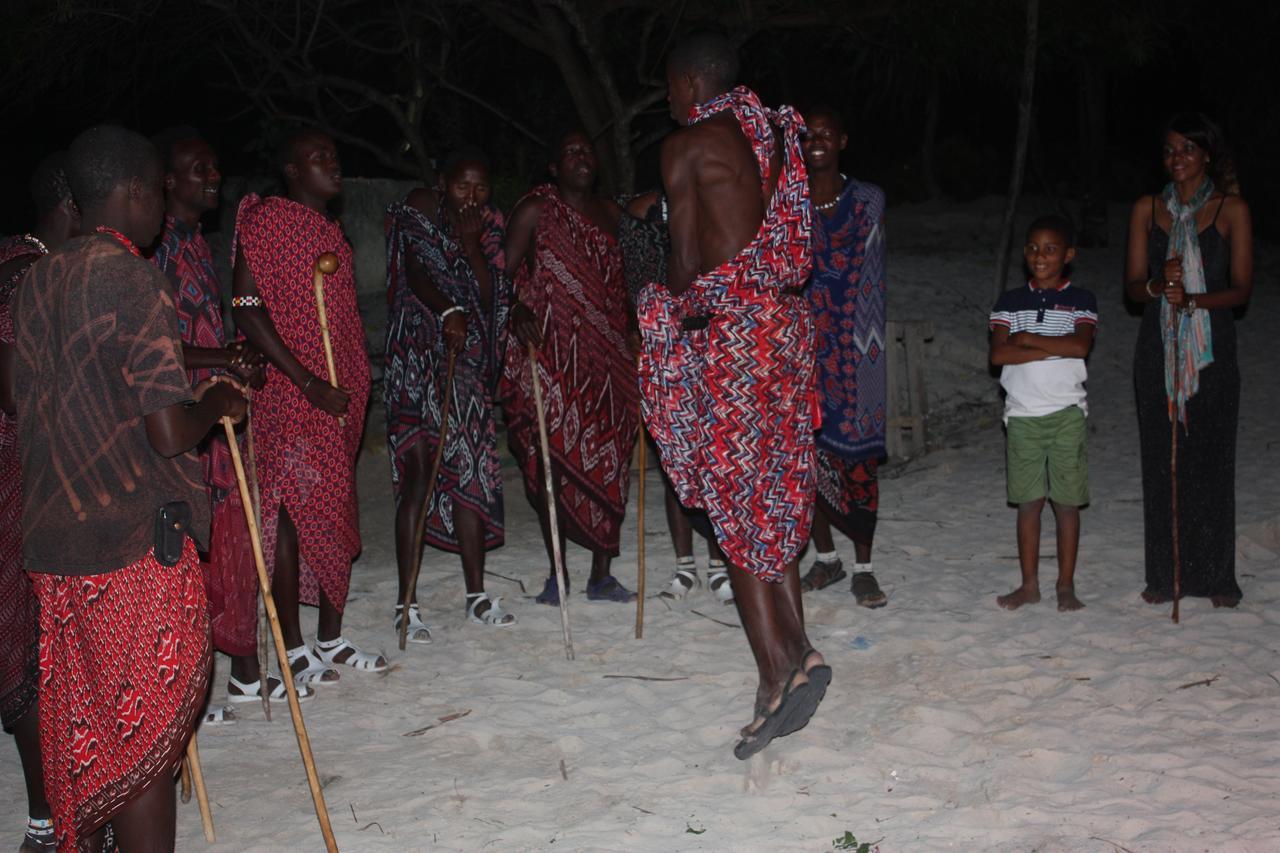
(418, 631)
(241, 692)
(328, 650)
(683, 581)
(494, 615)
(220, 715)
(718, 583)
(317, 670)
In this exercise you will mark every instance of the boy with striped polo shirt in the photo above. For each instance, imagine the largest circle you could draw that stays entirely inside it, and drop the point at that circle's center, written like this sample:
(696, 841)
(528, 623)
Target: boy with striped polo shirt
(1040, 335)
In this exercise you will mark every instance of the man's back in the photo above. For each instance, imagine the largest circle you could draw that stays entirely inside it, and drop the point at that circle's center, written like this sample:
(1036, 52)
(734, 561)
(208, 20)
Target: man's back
(711, 167)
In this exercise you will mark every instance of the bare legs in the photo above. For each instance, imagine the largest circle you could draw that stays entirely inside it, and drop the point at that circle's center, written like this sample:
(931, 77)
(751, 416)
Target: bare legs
(773, 618)
(821, 535)
(682, 530)
(468, 525)
(26, 733)
(1068, 535)
(284, 589)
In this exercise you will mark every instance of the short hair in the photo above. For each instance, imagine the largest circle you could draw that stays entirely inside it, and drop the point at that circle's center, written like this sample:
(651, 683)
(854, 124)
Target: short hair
(709, 55)
(166, 140)
(1056, 223)
(49, 185)
(1204, 132)
(461, 155)
(828, 111)
(290, 139)
(105, 156)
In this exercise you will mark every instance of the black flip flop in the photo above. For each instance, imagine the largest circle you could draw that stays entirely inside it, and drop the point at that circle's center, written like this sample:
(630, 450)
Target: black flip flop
(792, 714)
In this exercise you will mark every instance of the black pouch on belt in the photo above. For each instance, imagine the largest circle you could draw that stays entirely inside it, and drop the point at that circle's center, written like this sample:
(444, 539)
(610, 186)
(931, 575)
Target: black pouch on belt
(172, 523)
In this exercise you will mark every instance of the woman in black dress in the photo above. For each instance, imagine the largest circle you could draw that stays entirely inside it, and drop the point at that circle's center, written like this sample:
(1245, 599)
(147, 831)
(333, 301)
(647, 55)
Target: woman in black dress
(1190, 264)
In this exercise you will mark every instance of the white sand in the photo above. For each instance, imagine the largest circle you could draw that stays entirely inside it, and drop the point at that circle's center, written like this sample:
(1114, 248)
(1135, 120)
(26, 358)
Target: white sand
(950, 725)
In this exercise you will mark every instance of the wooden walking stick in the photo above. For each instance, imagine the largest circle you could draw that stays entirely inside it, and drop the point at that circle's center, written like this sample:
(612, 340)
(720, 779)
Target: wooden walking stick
(1173, 475)
(640, 535)
(202, 796)
(326, 264)
(286, 674)
(551, 503)
(421, 529)
(251, 470)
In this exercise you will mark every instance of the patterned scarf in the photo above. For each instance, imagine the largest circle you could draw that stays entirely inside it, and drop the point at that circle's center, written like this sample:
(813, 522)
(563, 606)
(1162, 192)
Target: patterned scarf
(1188, 341)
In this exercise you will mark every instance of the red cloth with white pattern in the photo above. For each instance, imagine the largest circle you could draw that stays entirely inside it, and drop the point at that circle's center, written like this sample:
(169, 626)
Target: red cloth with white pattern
(124, 667)
(578, 293)
(18, 607)
(305, 457)
(230, 576)
(733, 407)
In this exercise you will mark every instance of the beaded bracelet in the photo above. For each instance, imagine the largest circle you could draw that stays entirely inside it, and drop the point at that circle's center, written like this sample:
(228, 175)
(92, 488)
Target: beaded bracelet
(246, 302)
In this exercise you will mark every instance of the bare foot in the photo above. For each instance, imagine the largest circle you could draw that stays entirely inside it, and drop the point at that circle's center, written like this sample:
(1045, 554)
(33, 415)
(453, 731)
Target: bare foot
(1154, 596)
(1225, 600)
(1020, 596)
(1067, 599)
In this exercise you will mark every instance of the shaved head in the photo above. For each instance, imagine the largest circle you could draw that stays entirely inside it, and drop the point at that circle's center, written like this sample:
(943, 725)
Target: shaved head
(106, 156)
(707, 55)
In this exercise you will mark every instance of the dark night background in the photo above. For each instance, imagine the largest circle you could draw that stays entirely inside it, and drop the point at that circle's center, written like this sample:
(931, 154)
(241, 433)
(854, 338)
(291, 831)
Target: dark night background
(929, 89)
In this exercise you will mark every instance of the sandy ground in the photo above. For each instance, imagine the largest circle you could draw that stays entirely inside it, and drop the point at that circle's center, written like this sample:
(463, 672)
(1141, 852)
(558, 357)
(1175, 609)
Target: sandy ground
(950, 725)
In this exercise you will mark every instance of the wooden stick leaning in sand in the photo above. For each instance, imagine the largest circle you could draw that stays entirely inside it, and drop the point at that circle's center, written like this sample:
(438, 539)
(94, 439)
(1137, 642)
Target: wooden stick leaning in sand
(202, 795)
(1173, 471)
(421, 529)
(640, 535)
(550, 498)
(286, 674)
(326, 264)
(251, 470)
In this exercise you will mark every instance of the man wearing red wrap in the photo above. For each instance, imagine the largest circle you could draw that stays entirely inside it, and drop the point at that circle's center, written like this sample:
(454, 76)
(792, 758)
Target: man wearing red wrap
(306, 431)
(727, 363)
(191, 184)
(571, 303)
(112, 499)
(57, 220)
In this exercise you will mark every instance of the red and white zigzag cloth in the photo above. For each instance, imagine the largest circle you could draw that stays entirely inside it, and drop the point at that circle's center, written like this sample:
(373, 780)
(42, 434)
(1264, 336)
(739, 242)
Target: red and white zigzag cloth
(733, 407)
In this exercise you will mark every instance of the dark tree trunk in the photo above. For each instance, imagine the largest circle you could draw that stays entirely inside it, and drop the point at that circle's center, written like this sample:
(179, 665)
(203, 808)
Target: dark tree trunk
(1025, 103)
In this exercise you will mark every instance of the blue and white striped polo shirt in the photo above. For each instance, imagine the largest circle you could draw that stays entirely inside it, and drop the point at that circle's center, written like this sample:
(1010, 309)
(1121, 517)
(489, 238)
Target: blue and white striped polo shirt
(1052, 384)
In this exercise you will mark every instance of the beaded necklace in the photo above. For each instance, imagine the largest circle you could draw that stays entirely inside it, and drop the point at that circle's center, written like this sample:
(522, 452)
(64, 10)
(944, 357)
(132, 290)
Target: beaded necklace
(124, 241)
(37, 242)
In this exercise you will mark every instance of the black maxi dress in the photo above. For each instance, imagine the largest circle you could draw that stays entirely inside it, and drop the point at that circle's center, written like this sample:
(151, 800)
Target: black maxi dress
(1206, 449)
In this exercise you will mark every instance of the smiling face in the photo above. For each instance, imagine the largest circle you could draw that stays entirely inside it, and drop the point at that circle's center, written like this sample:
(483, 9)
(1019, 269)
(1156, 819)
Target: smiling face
(466, 185)
(575, 165)
(823, 143)
(1184, 160)
(313, 169)
(194, 181)
(1047, 255)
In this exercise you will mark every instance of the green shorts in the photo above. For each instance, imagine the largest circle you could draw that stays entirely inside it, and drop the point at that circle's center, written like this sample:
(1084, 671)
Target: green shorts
(1052, 444)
